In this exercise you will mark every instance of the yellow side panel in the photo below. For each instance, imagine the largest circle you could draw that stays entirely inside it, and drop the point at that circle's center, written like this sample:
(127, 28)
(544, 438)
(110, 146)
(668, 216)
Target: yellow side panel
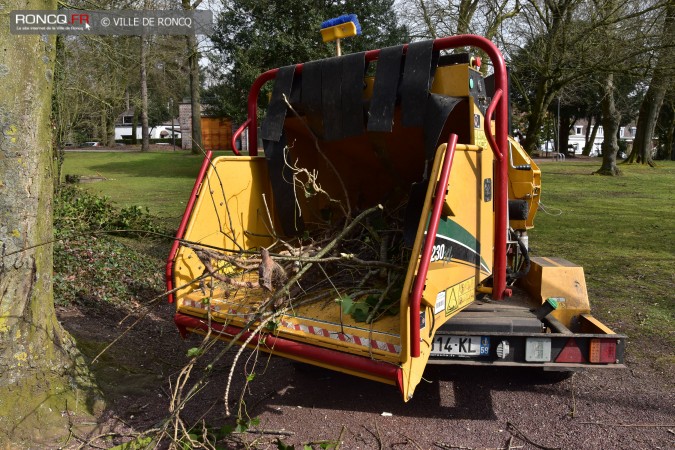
(560, 279)
(451, 281)
(229, 213)
(524, 184)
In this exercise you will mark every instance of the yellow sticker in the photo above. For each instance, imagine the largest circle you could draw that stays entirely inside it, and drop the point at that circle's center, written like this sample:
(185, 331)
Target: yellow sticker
(460, 295)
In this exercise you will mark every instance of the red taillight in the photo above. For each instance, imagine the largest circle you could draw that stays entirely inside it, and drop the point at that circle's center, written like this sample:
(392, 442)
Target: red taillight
(571, 353)
(603, 351)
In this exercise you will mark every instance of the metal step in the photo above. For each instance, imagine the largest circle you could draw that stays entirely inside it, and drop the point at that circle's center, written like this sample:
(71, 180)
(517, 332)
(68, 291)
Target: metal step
(483, 316)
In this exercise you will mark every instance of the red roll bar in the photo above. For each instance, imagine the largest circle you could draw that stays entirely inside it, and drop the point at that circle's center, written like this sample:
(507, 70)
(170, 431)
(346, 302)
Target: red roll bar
(425, 259)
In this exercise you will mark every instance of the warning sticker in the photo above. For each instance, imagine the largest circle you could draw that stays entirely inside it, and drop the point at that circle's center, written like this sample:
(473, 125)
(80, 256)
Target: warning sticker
(440, 302)
(460, 295)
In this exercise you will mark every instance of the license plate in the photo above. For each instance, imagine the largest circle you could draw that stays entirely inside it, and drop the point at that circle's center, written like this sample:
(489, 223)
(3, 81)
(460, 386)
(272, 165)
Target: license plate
(463, 346)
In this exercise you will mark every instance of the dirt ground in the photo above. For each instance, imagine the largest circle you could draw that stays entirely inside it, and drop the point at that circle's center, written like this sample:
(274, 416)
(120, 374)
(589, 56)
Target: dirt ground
(461, 408)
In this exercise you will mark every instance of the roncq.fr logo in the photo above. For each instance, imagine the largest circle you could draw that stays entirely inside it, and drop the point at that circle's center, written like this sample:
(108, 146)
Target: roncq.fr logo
(52, 19)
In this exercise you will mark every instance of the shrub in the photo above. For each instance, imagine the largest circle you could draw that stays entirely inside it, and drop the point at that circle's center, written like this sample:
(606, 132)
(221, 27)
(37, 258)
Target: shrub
(90, 266)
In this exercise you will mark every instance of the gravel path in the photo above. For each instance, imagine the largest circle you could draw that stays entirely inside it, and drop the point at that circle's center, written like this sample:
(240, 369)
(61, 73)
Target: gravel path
(459, 408)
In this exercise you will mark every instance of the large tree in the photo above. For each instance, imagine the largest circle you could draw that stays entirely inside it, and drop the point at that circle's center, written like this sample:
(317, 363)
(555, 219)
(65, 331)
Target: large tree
(39, 376)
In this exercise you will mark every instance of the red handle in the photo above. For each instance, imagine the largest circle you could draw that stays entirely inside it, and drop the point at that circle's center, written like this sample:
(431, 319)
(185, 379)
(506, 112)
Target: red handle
(425, 259)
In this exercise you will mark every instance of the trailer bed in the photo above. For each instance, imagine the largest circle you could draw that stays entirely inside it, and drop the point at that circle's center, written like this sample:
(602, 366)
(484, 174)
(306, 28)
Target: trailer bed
(318, 322)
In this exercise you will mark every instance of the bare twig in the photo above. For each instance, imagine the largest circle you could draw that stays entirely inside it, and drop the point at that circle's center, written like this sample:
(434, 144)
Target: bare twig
(412, 441)
(573, 413)
(272, 432)
(630, 425)
(348, 211)
(379, 436)
(520, 435)
(339, 440)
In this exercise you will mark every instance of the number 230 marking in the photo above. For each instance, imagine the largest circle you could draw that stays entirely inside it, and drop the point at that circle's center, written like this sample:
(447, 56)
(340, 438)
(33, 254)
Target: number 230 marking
(438, 253)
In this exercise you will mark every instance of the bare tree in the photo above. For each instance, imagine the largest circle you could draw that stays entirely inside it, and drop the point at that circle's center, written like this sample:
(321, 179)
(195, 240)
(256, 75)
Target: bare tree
(560, 42)
(436, 18)
(610, 125)
(664, 69)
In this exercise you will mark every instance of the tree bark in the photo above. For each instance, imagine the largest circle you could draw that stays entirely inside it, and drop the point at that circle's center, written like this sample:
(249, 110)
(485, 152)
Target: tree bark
(39, 370)
(611, 118)
(565, 124)
(145, 137)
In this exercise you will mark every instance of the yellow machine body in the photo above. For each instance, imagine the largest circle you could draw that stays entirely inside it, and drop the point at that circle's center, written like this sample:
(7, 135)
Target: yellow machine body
(235, 203)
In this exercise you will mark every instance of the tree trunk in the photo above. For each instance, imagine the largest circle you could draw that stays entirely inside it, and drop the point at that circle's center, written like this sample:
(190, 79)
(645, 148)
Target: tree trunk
(611, 118)
(134, 127)
(651, 104)
(101, 136)
(145, 137)
(564, 126)
(591, 133)
(111, 131)
(195, 100)
(40, 375)
(535, 121)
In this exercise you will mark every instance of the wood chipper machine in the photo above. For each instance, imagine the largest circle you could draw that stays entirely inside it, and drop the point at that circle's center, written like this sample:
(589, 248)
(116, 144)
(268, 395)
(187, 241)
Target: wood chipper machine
(383, 227)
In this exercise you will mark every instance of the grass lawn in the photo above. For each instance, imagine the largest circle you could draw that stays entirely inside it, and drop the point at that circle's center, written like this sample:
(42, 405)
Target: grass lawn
(622, 231)
(161, 181)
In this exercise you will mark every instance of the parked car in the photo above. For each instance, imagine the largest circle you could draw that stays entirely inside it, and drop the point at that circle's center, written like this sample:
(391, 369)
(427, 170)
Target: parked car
(91, 144)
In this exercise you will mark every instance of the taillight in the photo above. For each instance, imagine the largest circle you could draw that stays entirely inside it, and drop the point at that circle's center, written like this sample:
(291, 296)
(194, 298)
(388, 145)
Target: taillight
(571, 353)
(603, 351)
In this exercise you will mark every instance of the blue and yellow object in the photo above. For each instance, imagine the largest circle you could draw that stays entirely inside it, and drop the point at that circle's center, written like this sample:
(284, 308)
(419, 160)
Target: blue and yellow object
(340, 27)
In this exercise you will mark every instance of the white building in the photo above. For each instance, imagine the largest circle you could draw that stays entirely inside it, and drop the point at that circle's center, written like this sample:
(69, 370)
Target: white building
(577, 138)
(124, 128)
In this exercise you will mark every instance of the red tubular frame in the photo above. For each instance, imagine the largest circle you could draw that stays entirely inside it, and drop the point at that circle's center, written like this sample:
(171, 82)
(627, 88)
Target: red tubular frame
(487, 125)
(183, 224)
(425, 259)
(305, 351)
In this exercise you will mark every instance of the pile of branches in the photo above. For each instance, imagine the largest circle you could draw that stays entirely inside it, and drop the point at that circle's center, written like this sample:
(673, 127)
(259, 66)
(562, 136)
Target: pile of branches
(360, 263)
(360, 260)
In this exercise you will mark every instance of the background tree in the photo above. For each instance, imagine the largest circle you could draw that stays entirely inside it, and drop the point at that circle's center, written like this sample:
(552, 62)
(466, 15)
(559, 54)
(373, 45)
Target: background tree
(560, 43)
(193, 56)
(145, 131)
(39, 370)
(665, 127)
(253, 36)
(431, 19)
(662, 78)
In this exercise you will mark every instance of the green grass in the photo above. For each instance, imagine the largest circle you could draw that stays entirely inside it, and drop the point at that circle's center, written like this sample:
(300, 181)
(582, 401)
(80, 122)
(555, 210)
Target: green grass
(160, 181)
(622, 231)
